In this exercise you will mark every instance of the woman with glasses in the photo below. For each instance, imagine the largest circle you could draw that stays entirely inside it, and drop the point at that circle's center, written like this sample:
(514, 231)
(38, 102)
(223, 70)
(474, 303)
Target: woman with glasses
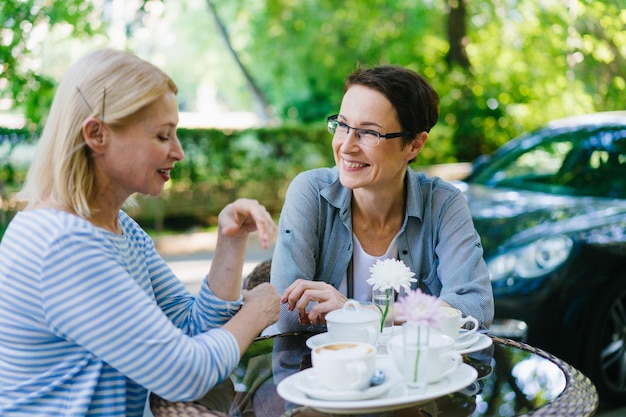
(337, 222)
(91, 316)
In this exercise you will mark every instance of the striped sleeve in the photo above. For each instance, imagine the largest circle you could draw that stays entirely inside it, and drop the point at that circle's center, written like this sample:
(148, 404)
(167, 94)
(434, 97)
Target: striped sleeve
(92, 320)
(193, 315)
(89, 298)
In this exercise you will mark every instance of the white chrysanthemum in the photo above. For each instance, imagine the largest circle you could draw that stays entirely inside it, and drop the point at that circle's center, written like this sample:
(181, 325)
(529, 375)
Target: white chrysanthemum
(390, 273)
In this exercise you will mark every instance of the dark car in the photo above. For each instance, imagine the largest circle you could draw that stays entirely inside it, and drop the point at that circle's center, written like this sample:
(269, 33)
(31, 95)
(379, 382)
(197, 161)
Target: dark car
(550, 207)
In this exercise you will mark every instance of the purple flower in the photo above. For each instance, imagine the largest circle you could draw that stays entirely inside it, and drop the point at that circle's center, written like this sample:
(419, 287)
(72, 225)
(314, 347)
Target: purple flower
(419, 308)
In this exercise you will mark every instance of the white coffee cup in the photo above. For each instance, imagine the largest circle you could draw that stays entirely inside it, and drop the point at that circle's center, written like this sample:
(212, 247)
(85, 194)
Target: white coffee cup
(440, 357)
(353, 323)
(344, 366)
(453, 321)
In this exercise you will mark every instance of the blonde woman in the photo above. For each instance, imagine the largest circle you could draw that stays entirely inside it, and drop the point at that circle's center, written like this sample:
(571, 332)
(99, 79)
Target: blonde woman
(91, 316)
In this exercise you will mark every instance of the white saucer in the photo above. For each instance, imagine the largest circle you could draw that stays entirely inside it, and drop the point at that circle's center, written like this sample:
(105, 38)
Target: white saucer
(483, 341)
(306, 381)
(399, 396)
(465, 340)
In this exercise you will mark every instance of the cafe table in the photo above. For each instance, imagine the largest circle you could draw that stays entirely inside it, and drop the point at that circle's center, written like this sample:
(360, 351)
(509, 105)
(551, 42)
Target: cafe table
(510, 379)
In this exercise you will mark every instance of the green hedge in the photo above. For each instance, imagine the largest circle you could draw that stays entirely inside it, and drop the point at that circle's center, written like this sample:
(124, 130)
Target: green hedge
(219, 166)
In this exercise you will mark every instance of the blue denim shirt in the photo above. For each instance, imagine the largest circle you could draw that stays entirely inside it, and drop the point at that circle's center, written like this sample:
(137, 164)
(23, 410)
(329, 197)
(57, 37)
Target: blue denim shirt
(438, 241)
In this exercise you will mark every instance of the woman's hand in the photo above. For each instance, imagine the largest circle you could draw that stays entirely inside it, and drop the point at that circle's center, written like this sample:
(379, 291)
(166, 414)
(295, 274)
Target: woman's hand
(235, 222)
(264, 302)
(299, 294)
(243, 216)
(261, 307)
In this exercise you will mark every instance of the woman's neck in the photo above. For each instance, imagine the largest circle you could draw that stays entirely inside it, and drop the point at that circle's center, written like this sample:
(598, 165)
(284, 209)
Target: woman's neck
(376, 221)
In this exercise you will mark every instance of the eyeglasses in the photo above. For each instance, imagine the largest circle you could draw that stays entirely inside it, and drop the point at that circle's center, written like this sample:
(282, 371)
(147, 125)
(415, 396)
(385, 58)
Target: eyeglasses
(365, 136)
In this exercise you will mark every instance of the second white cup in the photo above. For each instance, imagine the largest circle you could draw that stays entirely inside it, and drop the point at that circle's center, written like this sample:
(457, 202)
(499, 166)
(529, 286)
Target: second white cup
(453, 321)
(440, 358)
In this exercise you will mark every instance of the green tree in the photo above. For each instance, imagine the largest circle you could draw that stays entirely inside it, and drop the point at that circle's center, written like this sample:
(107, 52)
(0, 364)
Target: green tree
(25, 24)
(262, 104)
(517, 64)
(301, 51)
(501, 67)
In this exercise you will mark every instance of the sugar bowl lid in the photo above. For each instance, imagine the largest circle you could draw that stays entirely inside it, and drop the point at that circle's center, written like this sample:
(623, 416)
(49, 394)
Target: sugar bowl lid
(353, 312)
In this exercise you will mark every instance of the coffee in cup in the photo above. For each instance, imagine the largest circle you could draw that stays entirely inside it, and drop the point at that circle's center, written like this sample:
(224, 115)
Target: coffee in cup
(344, 366)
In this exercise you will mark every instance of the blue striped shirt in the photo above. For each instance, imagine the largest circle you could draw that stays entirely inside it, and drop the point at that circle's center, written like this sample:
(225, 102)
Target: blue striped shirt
(91, 320)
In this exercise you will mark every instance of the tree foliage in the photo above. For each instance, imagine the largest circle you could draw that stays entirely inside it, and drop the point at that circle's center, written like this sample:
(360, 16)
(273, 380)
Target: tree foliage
(521, 63)
(501, 67)
(24, 23)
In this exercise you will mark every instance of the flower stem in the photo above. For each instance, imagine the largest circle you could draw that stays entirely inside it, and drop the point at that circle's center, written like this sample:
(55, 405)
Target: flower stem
(417, 355)
(386, 311)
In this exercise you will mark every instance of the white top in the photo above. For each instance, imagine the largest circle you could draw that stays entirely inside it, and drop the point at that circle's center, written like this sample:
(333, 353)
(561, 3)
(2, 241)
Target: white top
(361, 263)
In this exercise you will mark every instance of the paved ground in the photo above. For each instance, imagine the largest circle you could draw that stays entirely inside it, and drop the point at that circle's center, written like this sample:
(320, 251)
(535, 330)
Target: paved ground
(190, 256)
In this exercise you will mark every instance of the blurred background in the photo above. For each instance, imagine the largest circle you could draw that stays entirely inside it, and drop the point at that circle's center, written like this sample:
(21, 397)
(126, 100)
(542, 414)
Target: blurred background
(258, 78)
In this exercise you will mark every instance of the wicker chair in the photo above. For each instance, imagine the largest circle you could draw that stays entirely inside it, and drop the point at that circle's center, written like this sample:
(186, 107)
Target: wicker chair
(163, 408)
(260, 274)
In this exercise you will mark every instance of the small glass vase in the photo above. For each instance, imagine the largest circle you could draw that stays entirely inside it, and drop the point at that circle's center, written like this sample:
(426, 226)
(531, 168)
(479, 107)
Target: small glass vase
(384, 301)
(415, 342)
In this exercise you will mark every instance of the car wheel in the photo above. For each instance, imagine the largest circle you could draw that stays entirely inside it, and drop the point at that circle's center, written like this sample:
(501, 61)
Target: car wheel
(605, 346)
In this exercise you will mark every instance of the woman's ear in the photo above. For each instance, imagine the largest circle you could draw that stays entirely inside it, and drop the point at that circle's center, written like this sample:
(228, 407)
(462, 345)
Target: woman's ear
(93, 134)
(418, 143)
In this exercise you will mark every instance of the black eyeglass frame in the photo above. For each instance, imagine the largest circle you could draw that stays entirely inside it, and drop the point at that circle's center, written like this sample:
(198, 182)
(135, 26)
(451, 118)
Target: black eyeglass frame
(332, 122)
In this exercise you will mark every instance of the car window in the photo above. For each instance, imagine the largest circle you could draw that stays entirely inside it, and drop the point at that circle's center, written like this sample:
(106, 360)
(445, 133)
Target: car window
(536, 164)
(581, 163)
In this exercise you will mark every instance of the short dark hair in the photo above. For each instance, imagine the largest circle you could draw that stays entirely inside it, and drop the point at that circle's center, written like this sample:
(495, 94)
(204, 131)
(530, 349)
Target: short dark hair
(415, 100)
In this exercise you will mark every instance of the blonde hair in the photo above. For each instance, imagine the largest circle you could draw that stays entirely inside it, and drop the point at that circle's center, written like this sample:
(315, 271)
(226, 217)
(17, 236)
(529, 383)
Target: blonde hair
(110, 85)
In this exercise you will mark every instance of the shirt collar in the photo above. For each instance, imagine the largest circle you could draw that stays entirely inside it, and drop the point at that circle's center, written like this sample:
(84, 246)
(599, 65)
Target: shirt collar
(415, 204)
(341, 197)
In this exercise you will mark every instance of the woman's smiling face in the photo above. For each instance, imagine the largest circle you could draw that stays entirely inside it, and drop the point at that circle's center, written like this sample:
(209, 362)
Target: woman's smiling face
(370, 166)
(139, 158)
